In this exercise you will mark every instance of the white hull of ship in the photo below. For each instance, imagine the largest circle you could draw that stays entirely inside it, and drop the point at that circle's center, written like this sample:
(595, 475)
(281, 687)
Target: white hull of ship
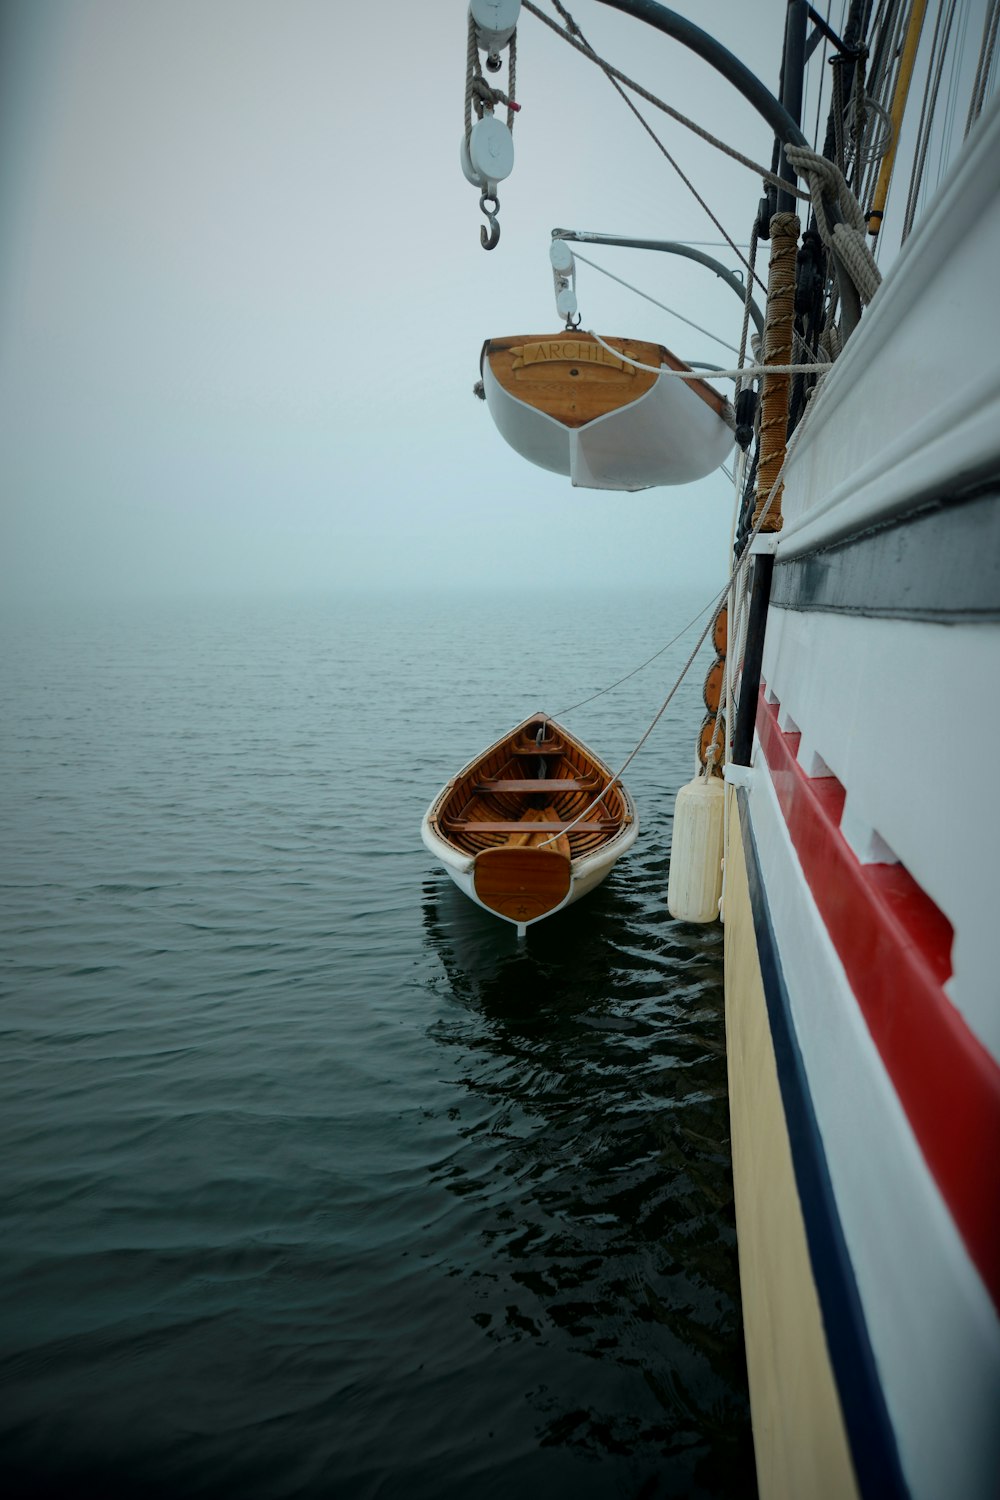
(864, 1084)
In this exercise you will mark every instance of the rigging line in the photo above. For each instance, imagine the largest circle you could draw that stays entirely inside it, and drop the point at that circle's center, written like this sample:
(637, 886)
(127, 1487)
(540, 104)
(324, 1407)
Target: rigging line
(819, 367)
(950, 121)
(928, 107)
(635, 670)
(573, 30)
(984, 66)
(989, 75)
(639, 293)
(747, 301)
(706, 135)
(735, 577)
(947, 128)
(822, 77)
(717, 601)
(615, 73)
(875, 91)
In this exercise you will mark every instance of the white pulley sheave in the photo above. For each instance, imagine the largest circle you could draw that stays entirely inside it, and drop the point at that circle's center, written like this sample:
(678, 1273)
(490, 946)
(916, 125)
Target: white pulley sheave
(487, 149)
(564, 279)
(489, 156)
(495, 22)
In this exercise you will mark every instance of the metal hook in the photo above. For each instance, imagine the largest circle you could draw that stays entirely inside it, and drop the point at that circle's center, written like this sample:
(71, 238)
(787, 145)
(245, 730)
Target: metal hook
(489, 241)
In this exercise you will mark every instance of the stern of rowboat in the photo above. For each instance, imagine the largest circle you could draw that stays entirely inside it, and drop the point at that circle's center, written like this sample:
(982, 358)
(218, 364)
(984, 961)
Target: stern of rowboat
(522, 884)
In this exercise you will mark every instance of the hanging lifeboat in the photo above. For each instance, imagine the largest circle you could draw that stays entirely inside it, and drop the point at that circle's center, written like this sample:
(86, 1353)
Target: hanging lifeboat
(567, 404)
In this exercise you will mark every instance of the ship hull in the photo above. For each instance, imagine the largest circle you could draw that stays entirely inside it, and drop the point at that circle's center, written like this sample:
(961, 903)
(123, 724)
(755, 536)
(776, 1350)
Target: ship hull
(859, 900)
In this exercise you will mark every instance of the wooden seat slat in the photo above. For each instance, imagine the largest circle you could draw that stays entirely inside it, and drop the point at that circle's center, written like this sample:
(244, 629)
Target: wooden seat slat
(550, 747)
(538, 784)
(475, 825)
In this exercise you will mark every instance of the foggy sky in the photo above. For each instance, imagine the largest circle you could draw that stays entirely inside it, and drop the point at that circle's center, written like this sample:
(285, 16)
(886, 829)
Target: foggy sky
(242, 295)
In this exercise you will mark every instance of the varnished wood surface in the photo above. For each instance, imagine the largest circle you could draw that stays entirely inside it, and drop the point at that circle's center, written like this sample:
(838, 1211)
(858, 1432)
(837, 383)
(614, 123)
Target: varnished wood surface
(516, 825)
(577, 381)
(493, 802)
(522, 884)
(536, 828)
(538, 785)
(713, 685)
(573, 379)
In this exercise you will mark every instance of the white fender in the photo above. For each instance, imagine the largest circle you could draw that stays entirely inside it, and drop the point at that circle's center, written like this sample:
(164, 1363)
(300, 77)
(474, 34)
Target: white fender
(695, 882)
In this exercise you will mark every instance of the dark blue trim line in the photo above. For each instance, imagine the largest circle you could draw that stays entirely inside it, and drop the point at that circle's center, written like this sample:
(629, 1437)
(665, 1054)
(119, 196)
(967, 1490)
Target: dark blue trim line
(939, 561)
(866, 1418)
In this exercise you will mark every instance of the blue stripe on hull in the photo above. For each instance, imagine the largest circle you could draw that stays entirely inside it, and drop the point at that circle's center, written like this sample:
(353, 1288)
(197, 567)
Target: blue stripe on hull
(866, 1418)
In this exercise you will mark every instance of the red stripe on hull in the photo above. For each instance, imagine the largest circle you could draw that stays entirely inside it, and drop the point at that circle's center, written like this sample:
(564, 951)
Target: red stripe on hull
(895, 946)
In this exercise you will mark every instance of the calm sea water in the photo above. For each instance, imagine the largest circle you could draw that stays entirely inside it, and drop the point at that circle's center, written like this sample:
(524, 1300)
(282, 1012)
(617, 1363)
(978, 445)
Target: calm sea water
(315, 1181)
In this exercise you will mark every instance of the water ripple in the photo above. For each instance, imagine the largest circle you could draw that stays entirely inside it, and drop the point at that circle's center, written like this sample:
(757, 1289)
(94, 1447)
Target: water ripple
(315, 1181)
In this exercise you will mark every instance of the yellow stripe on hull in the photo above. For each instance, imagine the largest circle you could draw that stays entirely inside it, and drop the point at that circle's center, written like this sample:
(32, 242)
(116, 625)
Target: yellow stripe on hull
(799, 1436)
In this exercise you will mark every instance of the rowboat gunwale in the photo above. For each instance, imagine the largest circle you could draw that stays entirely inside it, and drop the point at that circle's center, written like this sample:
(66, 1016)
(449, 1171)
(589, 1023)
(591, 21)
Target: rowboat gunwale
(592, 850)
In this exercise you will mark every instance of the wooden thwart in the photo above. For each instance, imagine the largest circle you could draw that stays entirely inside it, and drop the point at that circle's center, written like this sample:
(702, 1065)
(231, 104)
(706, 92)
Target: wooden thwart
(549, 785)
(474, 825)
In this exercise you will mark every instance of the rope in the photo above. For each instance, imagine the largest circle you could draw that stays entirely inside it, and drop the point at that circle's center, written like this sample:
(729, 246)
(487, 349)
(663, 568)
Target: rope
(748, 371)
(837, 113)
(675, 114)
(887, 29)
(471, 69)
(512, 108)
(847, 239)
(616, 74)
(984, 65)
(479, 92)
(928, 108)
(635, 670)
(778, 343)
(746, 310)
(734, 578)
(573, 28)
(718, 601)
(739, 619)
(855, 253)
(662, 305)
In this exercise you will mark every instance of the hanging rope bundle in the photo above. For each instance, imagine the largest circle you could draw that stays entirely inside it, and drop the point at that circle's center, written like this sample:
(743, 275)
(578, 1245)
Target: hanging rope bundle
(480, 95)
(847, 238)
(487, 162)
(778, 334)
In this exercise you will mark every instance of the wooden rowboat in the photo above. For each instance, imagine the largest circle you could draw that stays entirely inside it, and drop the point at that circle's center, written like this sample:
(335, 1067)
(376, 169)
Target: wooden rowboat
(571, 405)
(505, 827)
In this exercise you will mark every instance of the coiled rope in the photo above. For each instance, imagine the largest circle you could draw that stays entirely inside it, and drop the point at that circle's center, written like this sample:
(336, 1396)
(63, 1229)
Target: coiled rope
(847, 239)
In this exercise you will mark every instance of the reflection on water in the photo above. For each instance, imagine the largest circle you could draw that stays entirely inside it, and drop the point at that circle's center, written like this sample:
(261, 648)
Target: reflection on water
(595, 1133)
(314, 1182)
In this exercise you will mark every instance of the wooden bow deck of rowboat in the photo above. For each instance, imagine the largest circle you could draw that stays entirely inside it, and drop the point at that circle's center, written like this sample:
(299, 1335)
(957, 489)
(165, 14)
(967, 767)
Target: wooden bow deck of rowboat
(531, 824)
